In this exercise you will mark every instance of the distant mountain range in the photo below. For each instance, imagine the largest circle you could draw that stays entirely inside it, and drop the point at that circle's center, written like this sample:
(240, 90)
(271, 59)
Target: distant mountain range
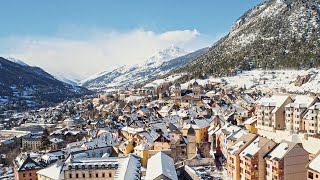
(276, 34)
(28, 86)
(128, 76)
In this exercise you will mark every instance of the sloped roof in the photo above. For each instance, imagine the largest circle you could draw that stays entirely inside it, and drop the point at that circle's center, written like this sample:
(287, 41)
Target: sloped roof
(129, 168)
(161, 164)
(53, 172)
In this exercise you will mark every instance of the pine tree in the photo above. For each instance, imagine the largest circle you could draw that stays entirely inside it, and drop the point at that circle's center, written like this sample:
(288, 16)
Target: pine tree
(45, 142)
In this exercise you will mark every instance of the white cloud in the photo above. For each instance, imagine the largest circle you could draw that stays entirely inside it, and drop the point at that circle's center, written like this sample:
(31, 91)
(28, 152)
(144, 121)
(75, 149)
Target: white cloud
(98, 51)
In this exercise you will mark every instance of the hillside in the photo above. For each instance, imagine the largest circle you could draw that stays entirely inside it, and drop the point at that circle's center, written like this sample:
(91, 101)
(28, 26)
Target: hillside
(277, 34)
(27, 86)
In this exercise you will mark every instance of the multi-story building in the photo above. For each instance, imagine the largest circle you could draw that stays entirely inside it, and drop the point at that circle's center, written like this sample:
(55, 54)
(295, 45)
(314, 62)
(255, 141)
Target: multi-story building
(93, 168)
(252, 163)
(142, 151)
(270, 112)
(200, 127)
(312, 119)
(287, 161)
(179, 150)
(233, 160)
(25, 168)
(226, 137)
(294, 113)
(102, 168)
(31, 142)
(314, 168)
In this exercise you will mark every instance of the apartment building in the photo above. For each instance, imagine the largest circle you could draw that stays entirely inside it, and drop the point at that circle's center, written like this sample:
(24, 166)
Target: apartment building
(252, 163)
(233, 160)
(294, 113)
(312, 119)
(31, 142)
(287, 161)
(270, 112)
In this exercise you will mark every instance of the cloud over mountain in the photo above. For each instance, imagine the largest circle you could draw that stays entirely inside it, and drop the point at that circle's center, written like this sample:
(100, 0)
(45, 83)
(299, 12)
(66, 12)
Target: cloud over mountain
(92, 52)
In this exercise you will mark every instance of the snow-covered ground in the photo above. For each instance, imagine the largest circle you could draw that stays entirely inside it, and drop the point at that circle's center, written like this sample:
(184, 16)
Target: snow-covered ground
(263, 80)
(267, 80)
(158, 82)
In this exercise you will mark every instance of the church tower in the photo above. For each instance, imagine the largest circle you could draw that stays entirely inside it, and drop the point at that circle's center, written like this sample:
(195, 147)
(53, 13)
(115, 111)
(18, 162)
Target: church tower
(177, 93)
(191, 146)
(196, 91)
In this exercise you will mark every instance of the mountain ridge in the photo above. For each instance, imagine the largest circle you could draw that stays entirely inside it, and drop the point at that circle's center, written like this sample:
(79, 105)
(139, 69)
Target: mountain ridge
(276, 34)
(31, 86)
(128, 76)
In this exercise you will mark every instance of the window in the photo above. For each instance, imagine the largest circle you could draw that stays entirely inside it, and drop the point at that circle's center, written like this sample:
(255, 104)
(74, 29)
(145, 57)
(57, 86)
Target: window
(110, 175)
(30, 174)
(70, 175)
(97, 175)
(77, 176)
(24, 175)
(103, 175)
(317, 176)
(310, 175)
(83, 175)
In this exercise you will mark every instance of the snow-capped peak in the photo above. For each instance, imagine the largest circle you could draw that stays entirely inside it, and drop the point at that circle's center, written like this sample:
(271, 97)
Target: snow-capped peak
(127, 76)
(17, 61)
(166, 55)
(64, 79)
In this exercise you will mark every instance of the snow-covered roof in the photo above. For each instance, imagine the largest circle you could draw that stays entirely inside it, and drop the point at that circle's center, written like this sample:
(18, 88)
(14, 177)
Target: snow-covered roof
(53, 171)
(315, 106)
(133, 98)
(301, 101)
(315, 164)
(86, 162)
(161, 126)
(129, 168)
(254, 147)
(24, 162)
(56, 140)
(132, 130)
(76, 144)
(161, 164)
(236, 147)
(274, 101)
(147, 137)
(250, 120)
(279, 152)
(212, 130)
(294, 138)
(142, 147)
(198, 124)
(241, 143)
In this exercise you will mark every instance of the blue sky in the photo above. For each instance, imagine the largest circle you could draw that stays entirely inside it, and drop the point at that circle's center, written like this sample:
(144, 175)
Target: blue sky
(60, 24)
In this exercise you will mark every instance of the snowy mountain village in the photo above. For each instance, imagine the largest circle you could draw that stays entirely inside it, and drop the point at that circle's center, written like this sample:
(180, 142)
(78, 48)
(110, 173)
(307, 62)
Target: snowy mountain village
(172, 131)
